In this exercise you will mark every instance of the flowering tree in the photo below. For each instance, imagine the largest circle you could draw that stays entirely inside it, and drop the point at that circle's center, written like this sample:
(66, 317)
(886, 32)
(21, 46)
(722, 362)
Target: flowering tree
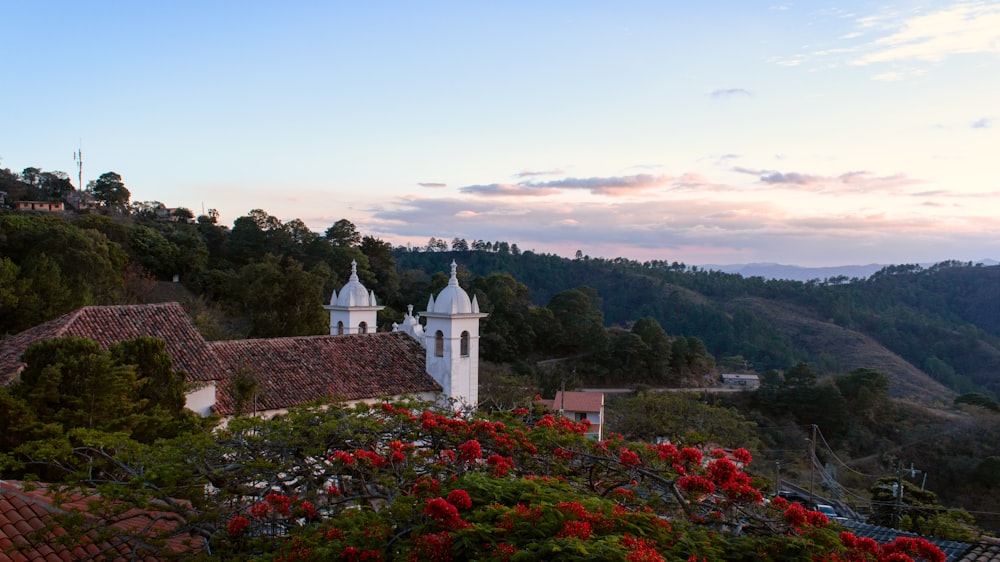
(405, 481)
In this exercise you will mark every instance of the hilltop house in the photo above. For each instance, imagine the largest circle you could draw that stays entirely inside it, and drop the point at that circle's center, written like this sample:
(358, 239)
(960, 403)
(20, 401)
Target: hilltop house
(579, 406)
(44, 206)
(748, 381)
(355, 363)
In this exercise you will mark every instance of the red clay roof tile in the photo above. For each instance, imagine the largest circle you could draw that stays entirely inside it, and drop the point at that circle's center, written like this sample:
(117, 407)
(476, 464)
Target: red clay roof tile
(298, 370)
(19, 518)
(293, 370)
(111, 324)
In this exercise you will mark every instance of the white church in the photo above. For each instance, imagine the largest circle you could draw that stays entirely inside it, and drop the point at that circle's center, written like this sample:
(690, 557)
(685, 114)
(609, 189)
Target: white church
(438, 360)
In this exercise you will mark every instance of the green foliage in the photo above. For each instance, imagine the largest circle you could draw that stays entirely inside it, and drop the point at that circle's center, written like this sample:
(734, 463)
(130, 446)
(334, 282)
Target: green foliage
(52, 267)
(684, 419)
(978, 399)
(278, 299)
(110, 191)
(69, 383)
(656, 356)
(579, 321)
(343, 234)
(406, 481)
(506, 334)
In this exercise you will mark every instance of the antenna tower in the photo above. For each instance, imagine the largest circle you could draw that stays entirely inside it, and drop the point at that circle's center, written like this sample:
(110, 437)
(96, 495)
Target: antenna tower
(78, 158)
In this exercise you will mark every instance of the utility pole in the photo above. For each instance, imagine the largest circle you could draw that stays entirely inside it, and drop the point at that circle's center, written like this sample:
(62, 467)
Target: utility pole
(897, 494)
(812, 466)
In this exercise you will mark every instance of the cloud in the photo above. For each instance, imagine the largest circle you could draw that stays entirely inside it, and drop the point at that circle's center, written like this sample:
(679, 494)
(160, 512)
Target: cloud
(965, 28)
(432, 184)
(507, 189)
(847, 182)
(841, 219)
(730, 92)
(984, 123)
(529, 174)
(791, 177)
(612, 186)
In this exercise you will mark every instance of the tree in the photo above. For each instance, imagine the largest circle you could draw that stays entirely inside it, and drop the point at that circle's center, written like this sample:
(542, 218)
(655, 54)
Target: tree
(408, 481)
(681, 418)
(59, 267)
(183, 214)
(383, 266)
(459, 245)
(279, 298)
(657, 358)
(506, 334)
(581, 323)
(255, 235)
(343, 234)
(901, 504)
(110, 191)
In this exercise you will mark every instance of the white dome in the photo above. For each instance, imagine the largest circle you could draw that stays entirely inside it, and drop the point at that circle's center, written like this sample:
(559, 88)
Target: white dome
(353, 293)
(453, 299)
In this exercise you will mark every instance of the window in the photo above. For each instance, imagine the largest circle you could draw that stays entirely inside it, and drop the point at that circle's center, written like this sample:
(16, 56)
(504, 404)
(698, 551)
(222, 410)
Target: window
(439, 344)
(340, 328)
(363, 328)
(465, 344)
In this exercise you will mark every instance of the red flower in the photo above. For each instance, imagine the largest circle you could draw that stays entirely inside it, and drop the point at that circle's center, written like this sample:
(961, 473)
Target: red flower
(629, 457)
(237, 525)
(281, 503)
(259, 510)
(435, 547)
(910, 548)
(690, 455)
(343, 456)
(501, 465)
(460, 499)
(548, 420)
(470, 450)
(426, 485)
(698, 485)
(575, 529)
(796, 515)
(742, 456)
(308, 509)
(641, 550)
(443, 512)
(667, 452)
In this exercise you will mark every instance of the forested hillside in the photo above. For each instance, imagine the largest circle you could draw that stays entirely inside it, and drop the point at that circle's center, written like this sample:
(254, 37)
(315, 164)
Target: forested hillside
(933, 331)
(831, 352)
(941, 322)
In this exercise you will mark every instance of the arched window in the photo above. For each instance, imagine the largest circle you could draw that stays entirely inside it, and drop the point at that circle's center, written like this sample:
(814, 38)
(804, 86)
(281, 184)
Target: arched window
(340, 328)
(465, 344)
(439, 344)
(363, 328)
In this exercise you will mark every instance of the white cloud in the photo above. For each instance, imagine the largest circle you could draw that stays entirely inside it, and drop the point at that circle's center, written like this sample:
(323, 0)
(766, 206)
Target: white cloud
(965, 28)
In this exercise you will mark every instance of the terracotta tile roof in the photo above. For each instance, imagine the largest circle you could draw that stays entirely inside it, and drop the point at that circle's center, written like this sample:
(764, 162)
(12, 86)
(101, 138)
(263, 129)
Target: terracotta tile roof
(110, 324)
(576, 401)
(293, 370)
(986, 550)
(297, 370)
(22, 512)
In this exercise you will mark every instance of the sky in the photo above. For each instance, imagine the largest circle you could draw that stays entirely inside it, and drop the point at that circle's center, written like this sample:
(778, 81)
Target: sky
(809, 133)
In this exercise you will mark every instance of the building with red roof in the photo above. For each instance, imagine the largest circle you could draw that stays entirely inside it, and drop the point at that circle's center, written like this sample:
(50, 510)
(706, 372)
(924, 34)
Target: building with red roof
(354, 363)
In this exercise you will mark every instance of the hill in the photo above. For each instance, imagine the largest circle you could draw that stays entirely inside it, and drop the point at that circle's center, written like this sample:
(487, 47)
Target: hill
(934, 331)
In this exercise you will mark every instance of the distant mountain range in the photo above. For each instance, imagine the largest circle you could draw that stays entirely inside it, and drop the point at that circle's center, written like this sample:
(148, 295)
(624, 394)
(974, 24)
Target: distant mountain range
(799, 273)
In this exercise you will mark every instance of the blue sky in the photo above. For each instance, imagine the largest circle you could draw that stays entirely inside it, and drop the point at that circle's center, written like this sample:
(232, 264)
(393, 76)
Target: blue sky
(811, 133)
